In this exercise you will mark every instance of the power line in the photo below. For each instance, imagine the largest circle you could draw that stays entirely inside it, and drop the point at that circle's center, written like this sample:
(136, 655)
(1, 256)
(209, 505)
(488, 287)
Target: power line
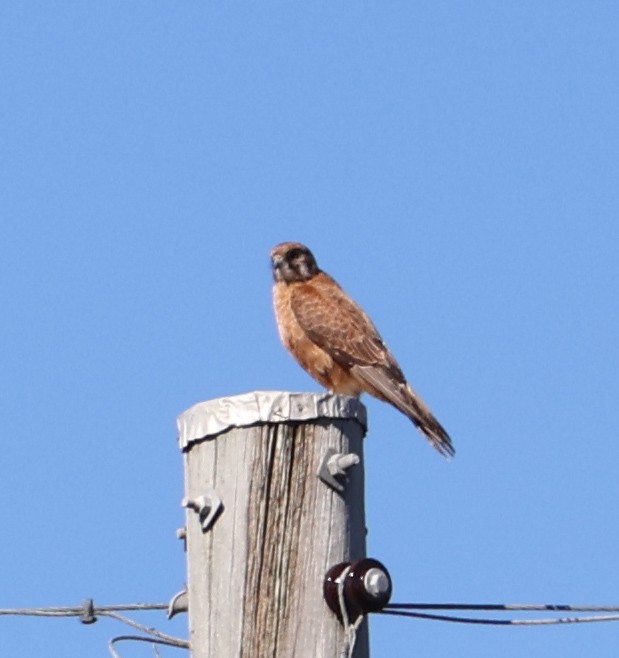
(86, 609)
(549, 607)
(88, 612)
(412, 610)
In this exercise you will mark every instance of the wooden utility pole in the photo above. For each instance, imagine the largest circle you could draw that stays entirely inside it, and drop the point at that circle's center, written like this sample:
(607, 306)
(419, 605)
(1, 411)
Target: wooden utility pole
(263, 529)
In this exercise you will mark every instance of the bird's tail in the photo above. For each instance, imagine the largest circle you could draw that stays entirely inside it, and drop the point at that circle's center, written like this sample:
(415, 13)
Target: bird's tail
(390, 385)
(413, 407)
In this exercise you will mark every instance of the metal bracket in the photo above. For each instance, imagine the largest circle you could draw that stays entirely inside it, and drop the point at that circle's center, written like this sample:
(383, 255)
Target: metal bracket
(178, 603)
(208, 506)
(88, 614)
(181, 533)
(334, 465)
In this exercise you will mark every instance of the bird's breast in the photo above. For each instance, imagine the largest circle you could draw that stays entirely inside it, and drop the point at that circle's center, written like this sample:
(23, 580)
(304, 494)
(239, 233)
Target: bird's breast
(315, 360)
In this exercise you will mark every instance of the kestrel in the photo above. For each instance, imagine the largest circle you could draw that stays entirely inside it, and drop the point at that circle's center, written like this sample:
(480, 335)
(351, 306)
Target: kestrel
(335, 341)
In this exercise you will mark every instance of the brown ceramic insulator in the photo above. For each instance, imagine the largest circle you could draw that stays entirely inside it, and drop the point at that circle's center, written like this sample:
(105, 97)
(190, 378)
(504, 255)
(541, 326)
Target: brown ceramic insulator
(367, 587)
(329, 587)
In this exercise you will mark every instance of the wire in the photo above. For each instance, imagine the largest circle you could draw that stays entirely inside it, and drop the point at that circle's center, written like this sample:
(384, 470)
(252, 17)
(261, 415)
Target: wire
(550, 607)
(408, 610)
(168, 639)
(77, 611)
(350, 628)
(88, 613)
(133, 638)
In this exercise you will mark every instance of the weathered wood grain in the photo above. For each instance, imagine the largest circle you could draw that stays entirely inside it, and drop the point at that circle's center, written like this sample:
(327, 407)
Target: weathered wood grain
(255, 578)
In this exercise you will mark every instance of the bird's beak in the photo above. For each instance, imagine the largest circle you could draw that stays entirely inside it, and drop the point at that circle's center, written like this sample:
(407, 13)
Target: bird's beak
(276, 263)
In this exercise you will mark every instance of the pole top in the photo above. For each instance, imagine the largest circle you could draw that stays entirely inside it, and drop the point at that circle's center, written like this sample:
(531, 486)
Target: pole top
(207, 419)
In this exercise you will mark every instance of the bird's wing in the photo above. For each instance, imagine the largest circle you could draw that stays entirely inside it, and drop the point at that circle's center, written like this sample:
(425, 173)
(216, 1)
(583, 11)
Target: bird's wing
(332, 320)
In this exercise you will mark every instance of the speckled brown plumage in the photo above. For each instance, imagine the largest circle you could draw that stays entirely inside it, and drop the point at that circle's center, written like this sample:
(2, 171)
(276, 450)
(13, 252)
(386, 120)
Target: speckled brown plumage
(335, 341)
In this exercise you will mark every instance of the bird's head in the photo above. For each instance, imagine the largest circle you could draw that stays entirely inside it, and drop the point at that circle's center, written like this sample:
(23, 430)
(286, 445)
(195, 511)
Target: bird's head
(293, 261)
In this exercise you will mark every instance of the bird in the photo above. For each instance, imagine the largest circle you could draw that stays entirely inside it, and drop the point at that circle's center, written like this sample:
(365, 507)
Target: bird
(336, 342)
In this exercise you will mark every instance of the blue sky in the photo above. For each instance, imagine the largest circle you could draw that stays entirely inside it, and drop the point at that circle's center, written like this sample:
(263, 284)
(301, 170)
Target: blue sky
(453, 165)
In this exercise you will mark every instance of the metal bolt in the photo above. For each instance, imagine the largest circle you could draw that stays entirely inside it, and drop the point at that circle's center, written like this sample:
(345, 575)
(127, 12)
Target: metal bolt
(208, 507)
(333, 465)
(376, 582)
(339, 462)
